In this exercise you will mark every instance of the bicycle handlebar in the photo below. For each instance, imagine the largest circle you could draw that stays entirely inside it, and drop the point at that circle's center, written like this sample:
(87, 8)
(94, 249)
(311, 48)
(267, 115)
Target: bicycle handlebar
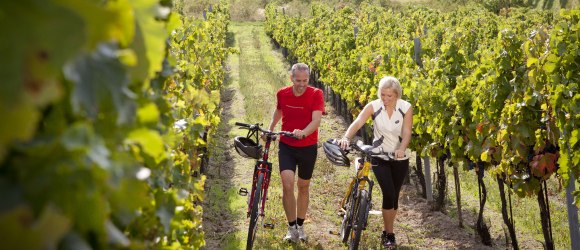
(256, 127)
(373, 151)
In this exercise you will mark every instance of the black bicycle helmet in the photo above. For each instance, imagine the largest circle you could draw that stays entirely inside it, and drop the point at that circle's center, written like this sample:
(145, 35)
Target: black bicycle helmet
(335, 154)
(246, 147)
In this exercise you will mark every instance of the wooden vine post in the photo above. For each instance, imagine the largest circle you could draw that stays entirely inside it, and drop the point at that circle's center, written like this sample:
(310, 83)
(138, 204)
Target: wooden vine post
(458, 194)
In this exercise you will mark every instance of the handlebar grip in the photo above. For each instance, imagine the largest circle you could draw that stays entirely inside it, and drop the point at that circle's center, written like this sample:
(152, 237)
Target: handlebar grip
(288, 134)
(242, 124)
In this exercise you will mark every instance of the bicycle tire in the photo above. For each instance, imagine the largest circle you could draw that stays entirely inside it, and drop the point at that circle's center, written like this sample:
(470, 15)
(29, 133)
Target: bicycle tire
(360, 219)
(253, 228)
(346, 224)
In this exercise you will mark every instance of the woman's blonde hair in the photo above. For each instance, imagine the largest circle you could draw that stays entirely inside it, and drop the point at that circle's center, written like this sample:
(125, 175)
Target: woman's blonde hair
(389, 82)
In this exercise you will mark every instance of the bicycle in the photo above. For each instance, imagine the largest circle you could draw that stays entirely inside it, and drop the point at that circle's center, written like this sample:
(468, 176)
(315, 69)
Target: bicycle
(357, 201)
(262, 171)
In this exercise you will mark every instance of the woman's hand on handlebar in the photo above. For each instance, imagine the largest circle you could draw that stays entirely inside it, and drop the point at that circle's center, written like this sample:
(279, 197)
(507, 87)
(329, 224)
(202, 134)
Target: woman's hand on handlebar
(343, 143)
(399, 153)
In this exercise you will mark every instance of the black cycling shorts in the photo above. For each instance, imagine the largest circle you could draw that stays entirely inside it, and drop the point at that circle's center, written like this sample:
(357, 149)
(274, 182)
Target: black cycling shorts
(302, 157)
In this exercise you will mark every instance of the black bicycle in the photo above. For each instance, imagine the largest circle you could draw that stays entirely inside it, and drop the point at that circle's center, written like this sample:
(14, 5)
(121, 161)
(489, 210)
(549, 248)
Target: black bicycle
(262, 171)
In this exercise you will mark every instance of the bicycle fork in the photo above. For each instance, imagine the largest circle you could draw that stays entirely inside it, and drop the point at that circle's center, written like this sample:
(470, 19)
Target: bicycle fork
(369, 202)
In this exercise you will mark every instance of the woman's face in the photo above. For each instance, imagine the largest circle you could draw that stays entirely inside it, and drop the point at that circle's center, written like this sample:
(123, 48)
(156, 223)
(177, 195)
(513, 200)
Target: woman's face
(389, 97)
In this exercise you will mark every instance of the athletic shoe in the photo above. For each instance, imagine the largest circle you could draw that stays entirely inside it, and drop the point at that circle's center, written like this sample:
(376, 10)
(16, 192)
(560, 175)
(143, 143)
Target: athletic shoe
(292, 234)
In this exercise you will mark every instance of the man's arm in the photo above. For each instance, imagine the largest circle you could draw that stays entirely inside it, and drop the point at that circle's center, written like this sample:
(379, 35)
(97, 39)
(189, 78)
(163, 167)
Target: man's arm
(275, 119)
(312, 126)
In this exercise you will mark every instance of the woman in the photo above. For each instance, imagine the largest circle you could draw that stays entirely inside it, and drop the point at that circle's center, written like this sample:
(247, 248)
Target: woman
(393, 120)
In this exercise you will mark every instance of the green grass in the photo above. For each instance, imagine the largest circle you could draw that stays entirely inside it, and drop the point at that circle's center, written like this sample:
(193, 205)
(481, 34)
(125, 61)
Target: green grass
(525, 209)
(259, 76)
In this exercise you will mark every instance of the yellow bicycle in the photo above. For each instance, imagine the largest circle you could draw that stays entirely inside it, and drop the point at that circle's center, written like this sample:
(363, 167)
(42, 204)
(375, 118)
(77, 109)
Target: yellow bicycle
(357, 201)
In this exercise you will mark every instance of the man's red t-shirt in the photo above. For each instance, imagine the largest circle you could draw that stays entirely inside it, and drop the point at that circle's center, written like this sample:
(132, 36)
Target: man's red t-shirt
(297, 113)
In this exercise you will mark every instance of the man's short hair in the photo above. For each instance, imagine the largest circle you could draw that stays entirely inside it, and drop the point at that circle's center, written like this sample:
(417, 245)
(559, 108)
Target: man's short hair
(299, 67)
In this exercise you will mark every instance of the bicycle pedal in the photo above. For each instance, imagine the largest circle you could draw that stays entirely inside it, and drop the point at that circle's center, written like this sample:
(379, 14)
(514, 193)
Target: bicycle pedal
(333, 232)
(269, 226)
(341, 212)
(243, 192)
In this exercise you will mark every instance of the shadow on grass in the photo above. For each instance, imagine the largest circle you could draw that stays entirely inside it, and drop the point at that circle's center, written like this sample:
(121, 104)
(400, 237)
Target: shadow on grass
(230, 39)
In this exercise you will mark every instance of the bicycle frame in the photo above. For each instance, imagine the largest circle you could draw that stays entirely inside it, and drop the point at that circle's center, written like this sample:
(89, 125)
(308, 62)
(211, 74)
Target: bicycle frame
(359, 182)
(262, 167)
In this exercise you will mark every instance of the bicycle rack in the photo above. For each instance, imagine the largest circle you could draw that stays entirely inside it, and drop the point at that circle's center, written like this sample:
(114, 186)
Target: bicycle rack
(269, 226)
(243, 192)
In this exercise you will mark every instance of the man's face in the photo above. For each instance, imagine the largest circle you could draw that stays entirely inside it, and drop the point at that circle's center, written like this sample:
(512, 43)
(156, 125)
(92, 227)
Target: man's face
(300, 81)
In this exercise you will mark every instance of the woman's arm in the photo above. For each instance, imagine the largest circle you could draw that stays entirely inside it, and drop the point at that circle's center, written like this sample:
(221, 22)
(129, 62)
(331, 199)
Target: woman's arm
(406, 133)
(360, 120)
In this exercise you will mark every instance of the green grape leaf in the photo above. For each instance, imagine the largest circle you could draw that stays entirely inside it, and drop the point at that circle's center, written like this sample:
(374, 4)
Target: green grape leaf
(20, 124)
(485, 156)
(165, 203)
(52, 226)
(130, 195)
(101, 85)
(113, 20)
(148, 113)
(16, 229)
(173, 22)
(531, 61)
(150, 141)
(549, 67)
(43, 36)
(81, 137)
(151, 33)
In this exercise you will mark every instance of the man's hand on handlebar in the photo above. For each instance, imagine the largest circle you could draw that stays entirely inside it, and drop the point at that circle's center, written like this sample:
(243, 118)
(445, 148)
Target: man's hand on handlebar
(274, 135)
(263, 136)
(299, 134)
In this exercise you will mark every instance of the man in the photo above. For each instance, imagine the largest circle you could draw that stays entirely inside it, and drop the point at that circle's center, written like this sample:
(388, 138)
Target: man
(300, 107)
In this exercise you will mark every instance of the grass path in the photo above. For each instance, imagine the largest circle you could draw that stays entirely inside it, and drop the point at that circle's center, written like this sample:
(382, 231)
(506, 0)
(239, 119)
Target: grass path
(249, 96)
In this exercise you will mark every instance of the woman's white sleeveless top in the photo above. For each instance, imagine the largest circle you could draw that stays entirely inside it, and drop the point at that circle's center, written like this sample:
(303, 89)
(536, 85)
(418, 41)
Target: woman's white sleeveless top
(388, 132)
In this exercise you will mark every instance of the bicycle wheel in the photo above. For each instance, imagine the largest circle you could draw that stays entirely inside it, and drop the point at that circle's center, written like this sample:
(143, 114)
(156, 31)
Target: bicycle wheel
(254, 213)
(346, 225)
(359, 219)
